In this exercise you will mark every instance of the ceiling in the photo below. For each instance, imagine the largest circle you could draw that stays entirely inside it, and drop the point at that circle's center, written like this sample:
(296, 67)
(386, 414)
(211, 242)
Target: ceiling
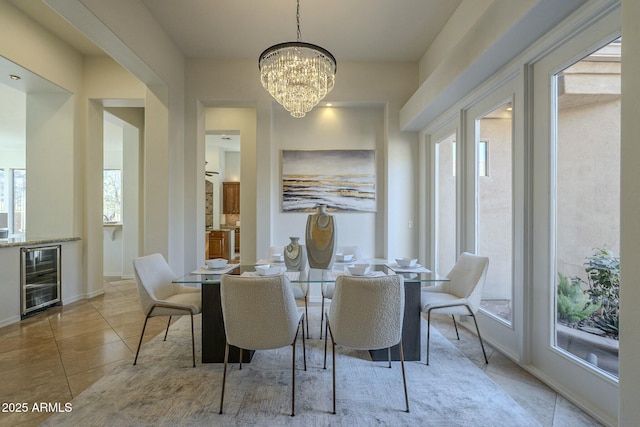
(352, 30)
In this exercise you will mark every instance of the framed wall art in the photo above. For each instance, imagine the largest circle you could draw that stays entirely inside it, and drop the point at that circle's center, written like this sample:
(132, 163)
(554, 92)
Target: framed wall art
(343, 180)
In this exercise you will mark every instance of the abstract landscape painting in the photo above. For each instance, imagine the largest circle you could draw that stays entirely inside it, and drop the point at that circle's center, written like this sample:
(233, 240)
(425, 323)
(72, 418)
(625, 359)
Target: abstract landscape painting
(344, 180)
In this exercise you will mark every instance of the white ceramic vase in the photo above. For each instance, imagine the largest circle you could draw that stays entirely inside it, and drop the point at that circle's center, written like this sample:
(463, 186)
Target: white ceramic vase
(295, 257)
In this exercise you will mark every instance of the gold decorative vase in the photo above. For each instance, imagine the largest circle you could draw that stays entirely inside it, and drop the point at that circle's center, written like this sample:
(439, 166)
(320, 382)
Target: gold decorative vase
(321, 239)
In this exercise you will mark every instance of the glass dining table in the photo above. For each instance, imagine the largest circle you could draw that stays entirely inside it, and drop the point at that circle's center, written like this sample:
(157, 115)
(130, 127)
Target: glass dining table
(213, 334)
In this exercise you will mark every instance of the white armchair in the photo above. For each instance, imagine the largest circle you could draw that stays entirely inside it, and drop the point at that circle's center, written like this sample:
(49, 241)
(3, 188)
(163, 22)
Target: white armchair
(366, 314)
(461, 295)
(260, 313)
(160, 297)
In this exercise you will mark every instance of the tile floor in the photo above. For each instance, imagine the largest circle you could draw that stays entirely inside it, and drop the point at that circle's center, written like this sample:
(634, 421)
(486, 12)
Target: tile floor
(55, 355)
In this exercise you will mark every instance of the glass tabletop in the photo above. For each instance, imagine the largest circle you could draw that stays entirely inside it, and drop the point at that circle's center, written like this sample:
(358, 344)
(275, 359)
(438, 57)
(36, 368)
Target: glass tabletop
(313, 275)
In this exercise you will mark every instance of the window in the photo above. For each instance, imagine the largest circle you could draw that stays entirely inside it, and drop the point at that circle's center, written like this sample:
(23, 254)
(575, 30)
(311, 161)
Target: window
(4, 205)
(19, 200)
(495, 208)
(446, 200)
(587, 238)
(482, 158)
(112, 199)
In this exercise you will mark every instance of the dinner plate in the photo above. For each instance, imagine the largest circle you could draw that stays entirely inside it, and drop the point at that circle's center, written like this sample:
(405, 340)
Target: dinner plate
(396, 266)
(206, 267)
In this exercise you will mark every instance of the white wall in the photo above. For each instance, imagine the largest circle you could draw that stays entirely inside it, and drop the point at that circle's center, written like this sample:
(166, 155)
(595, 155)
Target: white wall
(329, 129)
(225, 83)
(104, 80)
(157, 62)
(12, 127)
(58, 210)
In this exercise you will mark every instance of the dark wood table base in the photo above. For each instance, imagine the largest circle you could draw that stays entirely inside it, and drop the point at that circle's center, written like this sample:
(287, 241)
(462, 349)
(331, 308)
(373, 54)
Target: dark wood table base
(213, 335)
(410, 327)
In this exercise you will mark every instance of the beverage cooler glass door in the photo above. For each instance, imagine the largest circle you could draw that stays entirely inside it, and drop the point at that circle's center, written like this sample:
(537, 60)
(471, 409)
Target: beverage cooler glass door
(40, 276)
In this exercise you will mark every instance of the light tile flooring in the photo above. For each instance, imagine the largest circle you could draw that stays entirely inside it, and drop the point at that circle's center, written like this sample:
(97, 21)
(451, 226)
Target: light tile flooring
(54, 356)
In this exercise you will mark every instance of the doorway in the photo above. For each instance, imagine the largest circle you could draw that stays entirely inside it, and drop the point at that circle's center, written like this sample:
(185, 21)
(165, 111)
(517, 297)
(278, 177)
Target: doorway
(121, 183)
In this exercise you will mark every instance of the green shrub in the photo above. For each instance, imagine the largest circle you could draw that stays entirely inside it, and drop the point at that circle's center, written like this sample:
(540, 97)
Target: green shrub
(603, 273)
(573, 303)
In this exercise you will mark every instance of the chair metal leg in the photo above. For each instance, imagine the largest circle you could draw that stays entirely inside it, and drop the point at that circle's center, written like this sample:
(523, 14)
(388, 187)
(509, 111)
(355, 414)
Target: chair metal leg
(480, 338)
(240, 367)
(333, 366)
(193, 343)
(428, 332)
(167, 331)
(224, 374)
(306, 312)
(322, 316)
(389, 354)
(455, 325)
(293, 372)
(304, 346)
(404, 377)
(140, 342)
(326, 335)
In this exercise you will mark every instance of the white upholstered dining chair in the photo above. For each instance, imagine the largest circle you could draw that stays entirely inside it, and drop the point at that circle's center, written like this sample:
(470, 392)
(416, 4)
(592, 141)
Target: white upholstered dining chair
(327, 288)
(160, 297)
(460, 295)
(326, 292)
(260, 313)
(366, 313)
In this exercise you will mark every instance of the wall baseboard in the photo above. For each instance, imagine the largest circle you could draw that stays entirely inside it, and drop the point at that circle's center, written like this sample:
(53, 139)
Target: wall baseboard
(9, 321)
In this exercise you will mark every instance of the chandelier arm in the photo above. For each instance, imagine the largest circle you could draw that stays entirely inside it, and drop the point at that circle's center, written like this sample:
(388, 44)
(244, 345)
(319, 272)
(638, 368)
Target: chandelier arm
(279, 46)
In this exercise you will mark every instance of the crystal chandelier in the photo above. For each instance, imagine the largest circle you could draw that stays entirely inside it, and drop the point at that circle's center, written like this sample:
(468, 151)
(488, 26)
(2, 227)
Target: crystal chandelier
(298, 75)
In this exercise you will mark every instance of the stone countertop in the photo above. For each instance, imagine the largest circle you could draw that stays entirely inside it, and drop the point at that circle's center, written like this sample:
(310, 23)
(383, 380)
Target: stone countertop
(223, 228)
(28, 241)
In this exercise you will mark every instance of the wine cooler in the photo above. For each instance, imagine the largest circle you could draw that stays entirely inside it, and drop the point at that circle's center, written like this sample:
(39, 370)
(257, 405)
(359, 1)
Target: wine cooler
(40, 270)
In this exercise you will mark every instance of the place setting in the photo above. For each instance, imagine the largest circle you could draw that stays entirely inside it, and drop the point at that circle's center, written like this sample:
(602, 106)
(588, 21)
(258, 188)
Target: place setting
(359, 269)
(215, 266)
(407, 265)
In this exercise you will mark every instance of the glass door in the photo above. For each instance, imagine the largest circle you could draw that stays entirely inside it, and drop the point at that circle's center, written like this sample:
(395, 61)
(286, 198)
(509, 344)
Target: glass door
(493, 221)
(576, 229)
(587, 214)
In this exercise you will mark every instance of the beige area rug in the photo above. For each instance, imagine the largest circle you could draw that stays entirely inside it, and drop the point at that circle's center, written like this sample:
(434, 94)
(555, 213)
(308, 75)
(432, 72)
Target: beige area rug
(164, 390)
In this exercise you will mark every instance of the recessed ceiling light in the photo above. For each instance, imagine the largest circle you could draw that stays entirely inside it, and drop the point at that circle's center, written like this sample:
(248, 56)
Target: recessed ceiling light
(14, 77)
(329, 104)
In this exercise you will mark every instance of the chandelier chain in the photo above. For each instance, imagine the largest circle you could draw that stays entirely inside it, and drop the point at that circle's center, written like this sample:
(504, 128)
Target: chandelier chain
(298, 20)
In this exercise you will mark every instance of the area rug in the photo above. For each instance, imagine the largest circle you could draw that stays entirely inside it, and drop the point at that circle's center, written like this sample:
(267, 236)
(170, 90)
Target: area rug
(164, 390)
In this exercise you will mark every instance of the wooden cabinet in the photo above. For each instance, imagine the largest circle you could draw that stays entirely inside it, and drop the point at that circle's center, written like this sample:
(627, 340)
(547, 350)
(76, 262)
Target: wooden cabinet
(218, 246)
(230, 197)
